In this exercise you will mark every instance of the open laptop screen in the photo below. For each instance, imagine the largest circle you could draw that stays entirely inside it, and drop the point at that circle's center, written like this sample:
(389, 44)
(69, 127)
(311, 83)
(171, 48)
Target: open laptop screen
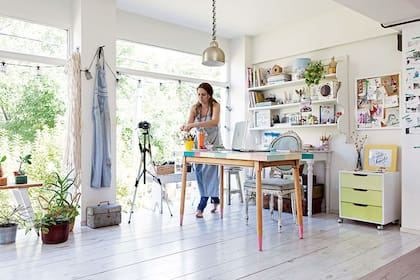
(243, 141)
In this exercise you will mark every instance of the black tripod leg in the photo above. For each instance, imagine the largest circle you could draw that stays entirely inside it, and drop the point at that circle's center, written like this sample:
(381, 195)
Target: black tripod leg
(140, 173)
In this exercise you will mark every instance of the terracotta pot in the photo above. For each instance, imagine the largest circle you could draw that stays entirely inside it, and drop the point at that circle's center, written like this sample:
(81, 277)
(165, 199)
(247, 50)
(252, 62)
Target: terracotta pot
(57, 234)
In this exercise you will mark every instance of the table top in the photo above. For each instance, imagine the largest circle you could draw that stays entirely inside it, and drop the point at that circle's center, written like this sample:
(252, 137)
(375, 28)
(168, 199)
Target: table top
(20, 186)
(259, 156)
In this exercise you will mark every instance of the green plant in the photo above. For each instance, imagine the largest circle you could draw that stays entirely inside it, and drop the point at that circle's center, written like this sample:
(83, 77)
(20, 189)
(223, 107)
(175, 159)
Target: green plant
(24, 160)
(60, 202)
(2, 159)
(314, 73)
(10, 215)
(44, 220)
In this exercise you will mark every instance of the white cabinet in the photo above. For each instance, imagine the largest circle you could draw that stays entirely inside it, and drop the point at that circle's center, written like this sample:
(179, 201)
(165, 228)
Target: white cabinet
(370, 196)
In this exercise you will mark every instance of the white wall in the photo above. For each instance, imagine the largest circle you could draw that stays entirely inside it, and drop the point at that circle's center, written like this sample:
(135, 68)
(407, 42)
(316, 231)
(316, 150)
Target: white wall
(410, 220)
(48, 12)
(332, 28)
(146, 30)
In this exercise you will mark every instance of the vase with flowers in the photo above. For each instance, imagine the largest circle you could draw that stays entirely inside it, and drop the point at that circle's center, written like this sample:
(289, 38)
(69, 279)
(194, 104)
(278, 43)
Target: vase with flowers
(359, 142)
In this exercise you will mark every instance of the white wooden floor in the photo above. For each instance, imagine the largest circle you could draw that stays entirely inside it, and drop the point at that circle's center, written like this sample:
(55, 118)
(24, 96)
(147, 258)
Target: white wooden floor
(154, 246)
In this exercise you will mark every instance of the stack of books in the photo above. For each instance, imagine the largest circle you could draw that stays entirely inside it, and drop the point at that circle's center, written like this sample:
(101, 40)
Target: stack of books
(279, 78)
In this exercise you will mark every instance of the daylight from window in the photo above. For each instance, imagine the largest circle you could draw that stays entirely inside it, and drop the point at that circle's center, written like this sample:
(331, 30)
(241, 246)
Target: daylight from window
(32, 99)
(163, 103)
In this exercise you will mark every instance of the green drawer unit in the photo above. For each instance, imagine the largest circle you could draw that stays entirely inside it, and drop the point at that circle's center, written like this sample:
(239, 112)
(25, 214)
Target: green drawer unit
(369, 197)
(361, 181)
(367, 213)
(362, 196)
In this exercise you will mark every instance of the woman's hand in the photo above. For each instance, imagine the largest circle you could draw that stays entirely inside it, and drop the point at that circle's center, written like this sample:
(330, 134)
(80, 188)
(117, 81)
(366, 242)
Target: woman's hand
(186, 127)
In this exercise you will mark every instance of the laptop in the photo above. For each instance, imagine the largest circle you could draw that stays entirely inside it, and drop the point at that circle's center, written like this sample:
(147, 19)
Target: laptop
(244, 141)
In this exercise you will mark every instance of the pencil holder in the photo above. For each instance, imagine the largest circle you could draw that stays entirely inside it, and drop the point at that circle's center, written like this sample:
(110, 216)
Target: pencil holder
(189, 145)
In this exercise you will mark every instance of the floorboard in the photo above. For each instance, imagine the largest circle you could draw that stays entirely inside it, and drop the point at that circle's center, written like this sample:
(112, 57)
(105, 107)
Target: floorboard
(154, 246)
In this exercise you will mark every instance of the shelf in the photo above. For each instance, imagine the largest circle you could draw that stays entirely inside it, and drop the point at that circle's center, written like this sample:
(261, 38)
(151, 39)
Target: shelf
(294, 126)
(288, 105)
(287, 84)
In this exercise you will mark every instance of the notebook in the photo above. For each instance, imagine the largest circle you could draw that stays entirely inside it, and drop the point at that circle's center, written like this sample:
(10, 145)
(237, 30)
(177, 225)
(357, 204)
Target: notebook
(243, 141)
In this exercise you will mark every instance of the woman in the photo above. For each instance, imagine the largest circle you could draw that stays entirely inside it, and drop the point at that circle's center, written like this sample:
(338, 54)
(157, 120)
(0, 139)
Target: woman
(204, 116)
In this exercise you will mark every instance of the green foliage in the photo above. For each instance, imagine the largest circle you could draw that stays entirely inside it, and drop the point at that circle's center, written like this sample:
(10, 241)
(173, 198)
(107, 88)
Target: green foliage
(33, 107)
(314, 73)
(59, 202)
(12, 215)
(24, 160)
(50, 218)
(2, 159)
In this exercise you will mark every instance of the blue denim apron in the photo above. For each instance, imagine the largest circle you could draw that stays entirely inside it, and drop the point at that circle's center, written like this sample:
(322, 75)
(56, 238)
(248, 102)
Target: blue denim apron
(101, 152)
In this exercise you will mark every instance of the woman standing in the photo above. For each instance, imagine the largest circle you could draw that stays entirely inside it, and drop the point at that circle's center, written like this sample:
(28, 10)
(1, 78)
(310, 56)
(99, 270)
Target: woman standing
(204, 116)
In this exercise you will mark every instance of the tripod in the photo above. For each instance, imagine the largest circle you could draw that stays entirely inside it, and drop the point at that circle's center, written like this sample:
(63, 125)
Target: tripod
(145, 149)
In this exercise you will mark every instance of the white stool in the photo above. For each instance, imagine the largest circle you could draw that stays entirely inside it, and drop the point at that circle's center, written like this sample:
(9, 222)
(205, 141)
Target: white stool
(234, 171)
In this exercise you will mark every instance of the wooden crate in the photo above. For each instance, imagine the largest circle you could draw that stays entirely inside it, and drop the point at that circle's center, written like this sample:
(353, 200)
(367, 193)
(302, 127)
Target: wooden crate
(3, 181)
(165, 169)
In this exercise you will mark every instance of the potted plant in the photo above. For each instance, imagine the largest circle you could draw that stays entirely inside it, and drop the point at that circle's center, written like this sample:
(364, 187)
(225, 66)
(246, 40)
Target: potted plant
(59, 209)
(20, 175)
(11, 217)
(3, 180)
(314, 73)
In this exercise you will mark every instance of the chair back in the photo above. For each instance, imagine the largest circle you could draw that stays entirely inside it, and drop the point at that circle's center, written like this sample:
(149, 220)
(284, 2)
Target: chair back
(289, 140)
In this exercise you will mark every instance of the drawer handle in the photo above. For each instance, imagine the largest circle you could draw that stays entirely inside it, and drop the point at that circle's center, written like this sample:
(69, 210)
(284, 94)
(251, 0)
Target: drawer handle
(358, 204)
(358, 174)
(360, 190)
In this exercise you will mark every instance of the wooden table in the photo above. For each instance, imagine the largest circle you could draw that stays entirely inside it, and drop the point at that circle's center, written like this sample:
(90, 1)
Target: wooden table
(256, 160)
(20, 191)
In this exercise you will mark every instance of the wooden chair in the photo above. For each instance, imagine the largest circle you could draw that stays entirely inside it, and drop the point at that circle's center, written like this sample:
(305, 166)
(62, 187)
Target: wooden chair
(276, 185)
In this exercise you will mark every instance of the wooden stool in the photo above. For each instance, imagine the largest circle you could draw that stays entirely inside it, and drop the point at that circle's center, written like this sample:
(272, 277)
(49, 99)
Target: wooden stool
(234, 171)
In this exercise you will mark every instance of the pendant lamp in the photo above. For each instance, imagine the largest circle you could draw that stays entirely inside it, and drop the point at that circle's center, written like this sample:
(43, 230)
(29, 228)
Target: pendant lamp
(213, 55)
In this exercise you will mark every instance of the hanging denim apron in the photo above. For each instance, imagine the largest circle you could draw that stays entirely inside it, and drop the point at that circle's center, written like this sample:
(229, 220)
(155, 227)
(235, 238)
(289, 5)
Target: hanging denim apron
(101, 150)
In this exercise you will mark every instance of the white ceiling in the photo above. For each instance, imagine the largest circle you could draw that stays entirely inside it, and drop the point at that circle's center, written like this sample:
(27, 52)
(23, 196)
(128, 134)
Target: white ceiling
(251, 17)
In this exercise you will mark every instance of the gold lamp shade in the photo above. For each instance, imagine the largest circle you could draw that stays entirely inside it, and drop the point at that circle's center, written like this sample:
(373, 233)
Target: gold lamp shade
(213, 55)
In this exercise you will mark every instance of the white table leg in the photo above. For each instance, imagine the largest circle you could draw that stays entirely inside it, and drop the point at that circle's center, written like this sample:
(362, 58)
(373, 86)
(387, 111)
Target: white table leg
(327, 184)
(22, 198)
(310, 186)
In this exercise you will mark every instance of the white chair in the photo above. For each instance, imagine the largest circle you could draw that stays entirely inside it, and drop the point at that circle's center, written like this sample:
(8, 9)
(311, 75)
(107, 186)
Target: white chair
(234, 171)
(275, 185)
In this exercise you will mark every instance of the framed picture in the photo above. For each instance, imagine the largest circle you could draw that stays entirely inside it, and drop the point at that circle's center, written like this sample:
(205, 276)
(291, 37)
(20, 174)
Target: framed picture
(381, 157)
(377, 102)
(326, 114)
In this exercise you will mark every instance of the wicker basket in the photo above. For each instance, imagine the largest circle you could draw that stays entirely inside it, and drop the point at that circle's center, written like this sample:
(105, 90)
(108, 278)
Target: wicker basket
(165, 169)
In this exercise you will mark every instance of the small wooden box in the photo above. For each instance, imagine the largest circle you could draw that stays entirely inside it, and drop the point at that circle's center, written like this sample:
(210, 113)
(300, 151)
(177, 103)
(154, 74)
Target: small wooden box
(3, 181)
(165, 169)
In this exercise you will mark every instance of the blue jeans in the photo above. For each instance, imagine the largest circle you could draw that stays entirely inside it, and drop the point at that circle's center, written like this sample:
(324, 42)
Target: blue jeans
(203, 202)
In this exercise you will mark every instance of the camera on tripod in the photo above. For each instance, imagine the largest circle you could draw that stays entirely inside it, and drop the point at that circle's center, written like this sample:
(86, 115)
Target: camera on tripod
(144, 125)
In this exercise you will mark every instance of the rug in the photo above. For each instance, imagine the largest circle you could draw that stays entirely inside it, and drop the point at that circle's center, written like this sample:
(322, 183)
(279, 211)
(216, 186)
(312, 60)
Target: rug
(406, 267)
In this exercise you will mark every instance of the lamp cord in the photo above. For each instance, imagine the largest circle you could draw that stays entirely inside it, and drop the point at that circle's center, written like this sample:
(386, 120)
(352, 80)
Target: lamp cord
(214, 21)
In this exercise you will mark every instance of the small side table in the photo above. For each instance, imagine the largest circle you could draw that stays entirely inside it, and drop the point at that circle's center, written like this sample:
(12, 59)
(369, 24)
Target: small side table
(20, 191)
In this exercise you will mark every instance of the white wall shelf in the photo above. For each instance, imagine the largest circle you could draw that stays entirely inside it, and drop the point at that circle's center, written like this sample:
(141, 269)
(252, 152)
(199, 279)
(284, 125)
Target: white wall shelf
(289, 105)
(294, 126)
(287, 84)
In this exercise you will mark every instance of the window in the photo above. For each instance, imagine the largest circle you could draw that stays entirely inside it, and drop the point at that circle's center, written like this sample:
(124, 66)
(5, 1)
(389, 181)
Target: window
(155, 92)
(28, 38)
(32, 96)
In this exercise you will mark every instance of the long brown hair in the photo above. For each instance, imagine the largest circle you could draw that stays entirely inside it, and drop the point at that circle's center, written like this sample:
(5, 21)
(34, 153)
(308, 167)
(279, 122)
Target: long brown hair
(209, 89)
